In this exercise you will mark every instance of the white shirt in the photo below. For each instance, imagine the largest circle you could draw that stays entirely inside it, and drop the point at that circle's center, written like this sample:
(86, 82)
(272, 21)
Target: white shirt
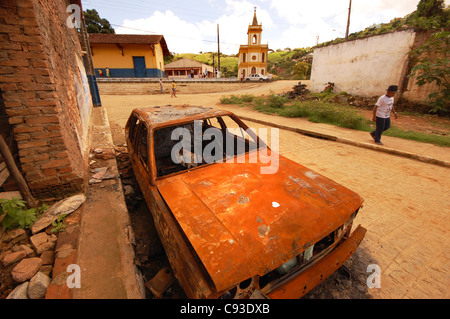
(384, 104)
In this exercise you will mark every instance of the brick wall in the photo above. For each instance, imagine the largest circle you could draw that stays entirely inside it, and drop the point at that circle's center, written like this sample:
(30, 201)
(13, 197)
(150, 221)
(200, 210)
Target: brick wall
(40, 77)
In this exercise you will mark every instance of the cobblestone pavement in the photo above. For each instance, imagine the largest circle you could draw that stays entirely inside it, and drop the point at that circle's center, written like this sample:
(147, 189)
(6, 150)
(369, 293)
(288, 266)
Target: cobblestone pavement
(406, 213)
(406, 209)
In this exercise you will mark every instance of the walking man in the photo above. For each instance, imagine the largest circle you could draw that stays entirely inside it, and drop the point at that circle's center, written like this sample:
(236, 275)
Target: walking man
(382, 113)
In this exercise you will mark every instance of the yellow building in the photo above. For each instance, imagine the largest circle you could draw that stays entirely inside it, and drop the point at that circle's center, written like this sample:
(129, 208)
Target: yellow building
(128, 55)
(253, 56)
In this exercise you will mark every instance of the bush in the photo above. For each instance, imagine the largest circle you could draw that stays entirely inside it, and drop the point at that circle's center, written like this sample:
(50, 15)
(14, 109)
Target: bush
(237, 99)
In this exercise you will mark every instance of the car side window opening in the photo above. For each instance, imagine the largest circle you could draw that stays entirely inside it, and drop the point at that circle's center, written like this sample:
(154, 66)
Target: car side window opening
(142, 145)
(221, 138)
(134, 124)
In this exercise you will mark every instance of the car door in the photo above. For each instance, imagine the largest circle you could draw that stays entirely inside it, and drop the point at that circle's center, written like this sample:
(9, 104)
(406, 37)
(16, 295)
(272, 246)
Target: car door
(141, 153)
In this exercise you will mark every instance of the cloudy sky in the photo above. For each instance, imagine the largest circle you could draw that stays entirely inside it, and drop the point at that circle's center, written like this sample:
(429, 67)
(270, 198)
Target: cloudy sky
(190, 26)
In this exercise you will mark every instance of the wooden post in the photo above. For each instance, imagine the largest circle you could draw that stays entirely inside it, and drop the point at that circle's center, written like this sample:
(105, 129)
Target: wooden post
(348, 19)
(23, 186)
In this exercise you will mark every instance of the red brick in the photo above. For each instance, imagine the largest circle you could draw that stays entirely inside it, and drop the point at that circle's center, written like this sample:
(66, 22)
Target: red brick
(42, 120)
(48, 110)
(24, 3)
(19, 96)
(46, 135)
(12, 104)
(15, 120)
(53, 180)
(32, 31)
(29, 55)
(11, 19)
(34, 176)
(27, 152)
(50, 172)
(41, 103)
(56, 163)
(14, 63)
(22, 137)
(41, 64)
(53, 127)
(25, 38)
(26, 12)
(29, 22)
(35, 47)
(8, 87)
(38, 87)
(28, 167)
(16, 78)
(35, 158)
(31, 144)
(28, 129)
(56, 141)
(5, 28)
(47, 95)
(61, 154)
(64, 170)
(22, 111)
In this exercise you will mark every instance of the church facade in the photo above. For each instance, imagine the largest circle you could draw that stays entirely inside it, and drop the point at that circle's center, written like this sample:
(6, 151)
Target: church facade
(253, 56)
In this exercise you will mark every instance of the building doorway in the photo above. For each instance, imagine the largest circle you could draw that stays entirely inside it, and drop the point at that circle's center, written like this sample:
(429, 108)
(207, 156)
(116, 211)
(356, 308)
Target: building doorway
(139, 66)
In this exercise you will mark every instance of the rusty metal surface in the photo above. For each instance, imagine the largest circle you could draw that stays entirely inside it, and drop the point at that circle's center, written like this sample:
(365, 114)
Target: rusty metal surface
(169, 115)
(223, 223)
(297, 286)
(228, 214)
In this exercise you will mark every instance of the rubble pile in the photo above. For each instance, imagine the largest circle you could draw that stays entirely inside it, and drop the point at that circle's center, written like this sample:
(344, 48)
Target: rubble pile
(27, 256)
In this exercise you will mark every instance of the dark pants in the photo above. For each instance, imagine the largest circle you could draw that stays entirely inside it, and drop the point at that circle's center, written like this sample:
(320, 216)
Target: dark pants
(382, 125)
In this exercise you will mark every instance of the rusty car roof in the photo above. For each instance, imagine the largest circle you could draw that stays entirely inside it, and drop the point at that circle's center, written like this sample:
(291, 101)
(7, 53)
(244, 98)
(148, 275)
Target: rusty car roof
(161, 116)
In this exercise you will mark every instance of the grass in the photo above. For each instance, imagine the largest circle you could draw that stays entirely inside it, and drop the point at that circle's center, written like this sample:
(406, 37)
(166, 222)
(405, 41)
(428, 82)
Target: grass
(329, 113)
(237, 99)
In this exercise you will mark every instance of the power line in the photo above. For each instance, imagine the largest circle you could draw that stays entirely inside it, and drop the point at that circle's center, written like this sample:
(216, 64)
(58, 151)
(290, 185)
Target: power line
(172, 35)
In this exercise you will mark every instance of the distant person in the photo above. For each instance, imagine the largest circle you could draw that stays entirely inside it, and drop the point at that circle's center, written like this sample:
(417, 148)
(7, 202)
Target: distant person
(100, 72)
(174, 90)
(161, 88)
(242, 76)
(382, 113)
(108, 73)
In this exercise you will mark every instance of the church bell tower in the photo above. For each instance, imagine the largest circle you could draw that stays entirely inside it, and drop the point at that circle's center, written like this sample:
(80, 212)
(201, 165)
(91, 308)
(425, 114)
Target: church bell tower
(253, 56)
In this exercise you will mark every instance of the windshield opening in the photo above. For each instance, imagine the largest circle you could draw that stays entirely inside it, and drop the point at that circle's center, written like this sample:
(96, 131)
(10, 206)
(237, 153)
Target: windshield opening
(189, 145)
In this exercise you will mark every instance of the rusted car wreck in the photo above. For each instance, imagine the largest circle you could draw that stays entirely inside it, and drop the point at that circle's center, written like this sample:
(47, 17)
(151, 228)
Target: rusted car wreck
(229, 230)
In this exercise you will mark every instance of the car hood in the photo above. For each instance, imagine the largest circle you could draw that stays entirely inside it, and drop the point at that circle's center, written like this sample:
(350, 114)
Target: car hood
(243, 223)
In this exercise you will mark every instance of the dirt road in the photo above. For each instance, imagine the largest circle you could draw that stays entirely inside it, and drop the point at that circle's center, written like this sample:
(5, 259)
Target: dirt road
(406, 209)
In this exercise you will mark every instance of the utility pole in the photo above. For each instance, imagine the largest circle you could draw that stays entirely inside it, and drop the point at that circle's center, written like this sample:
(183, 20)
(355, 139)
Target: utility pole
(348, 19)
(218, 50)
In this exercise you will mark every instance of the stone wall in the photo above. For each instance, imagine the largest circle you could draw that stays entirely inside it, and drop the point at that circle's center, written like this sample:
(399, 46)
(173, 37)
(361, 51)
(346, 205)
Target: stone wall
(366, 67)
(46, 94)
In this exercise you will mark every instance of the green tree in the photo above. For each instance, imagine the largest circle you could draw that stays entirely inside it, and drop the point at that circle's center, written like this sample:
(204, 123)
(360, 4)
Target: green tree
(302, 70)
(95, 24)
(430, 14)
(433, 66)
(430, 8)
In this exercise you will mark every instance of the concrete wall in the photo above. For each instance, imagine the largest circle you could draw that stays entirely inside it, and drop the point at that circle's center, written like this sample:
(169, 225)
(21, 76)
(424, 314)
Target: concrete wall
(46, 94)
(364, 67)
